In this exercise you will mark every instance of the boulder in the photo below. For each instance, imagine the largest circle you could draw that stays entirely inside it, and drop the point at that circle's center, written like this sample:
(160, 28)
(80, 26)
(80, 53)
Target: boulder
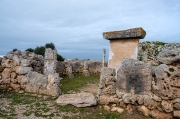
(134, 77)
(78, 100)
(160, 115)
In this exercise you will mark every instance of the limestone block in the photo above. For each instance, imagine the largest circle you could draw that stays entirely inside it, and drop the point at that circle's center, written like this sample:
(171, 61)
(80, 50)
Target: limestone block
(16, 87)
(118, 109)
(160, 115)
(25, 62)
(13, 75)
(165, 83)
(50, 54)
(129, 33)
(134, 77)
(6, 73)
(144, 110)
(16, 60)
(53, 84)
(36, 82)
(176, 113)
(23, 70)
(49, 66)
(71, 76)
(167, 106)
(86, 73)
(78, 100)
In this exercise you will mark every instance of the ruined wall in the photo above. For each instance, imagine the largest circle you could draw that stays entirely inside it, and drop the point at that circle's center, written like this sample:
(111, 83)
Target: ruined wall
(153, 91)
(24, 71)
(78, 66)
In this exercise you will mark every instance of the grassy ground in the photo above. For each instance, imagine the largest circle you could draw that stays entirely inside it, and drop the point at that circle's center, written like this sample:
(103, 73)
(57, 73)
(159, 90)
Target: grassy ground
(31, 106)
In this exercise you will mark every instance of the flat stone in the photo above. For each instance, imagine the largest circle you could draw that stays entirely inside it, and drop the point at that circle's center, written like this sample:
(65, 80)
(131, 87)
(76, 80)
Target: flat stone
(123, 34)
(78, 100)
(118, 109)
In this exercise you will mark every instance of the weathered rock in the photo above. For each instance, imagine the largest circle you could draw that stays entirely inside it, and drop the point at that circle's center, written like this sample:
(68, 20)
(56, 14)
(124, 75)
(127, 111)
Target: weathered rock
(130, 108)
(16, 87)
(160, 115)
(78, 100)
(86, 73)
(156, 98)
(6, 73)
(107, 99)
(36, 83)
(25, 62)
(130, 33)
(176, 113)
(53, 84)
(149, 102)
(134, 77)
(107, 108)
(167, 106)
(169, 57)
(71, 76)
(144, 110)
(23, 70)
(166, 83)
(118, 109)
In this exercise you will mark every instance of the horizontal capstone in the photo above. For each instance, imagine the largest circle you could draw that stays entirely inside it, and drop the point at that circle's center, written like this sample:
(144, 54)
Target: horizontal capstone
(123, 34)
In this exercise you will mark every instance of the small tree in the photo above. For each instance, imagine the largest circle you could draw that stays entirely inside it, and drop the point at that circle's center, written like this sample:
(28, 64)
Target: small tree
(15, 49)
(30, 50)
(50, 45)
(40, 50)
(60, 58)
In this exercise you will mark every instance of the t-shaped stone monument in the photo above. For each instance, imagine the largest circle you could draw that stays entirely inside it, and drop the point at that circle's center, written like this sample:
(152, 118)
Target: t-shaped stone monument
(123, 44)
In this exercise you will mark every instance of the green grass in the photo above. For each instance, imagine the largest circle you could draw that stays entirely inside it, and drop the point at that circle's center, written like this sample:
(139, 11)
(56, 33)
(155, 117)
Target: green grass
(79, 81)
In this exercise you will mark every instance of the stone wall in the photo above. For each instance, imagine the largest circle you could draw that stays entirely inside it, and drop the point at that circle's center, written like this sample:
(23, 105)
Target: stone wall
(78, 66)
(24, 71)
(153, 92)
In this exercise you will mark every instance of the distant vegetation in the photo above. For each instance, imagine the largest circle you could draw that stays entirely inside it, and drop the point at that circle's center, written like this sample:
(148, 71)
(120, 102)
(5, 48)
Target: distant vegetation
(40, 50)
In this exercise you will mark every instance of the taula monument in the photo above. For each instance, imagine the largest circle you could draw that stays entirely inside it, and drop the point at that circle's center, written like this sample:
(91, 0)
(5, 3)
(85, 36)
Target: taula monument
(123, 44)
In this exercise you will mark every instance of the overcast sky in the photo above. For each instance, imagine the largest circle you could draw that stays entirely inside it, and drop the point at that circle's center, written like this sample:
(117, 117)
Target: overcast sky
(76, 26)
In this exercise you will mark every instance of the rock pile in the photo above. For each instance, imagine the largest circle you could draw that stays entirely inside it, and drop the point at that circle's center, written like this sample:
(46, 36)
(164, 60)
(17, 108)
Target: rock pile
(152, 91)
(23, 71)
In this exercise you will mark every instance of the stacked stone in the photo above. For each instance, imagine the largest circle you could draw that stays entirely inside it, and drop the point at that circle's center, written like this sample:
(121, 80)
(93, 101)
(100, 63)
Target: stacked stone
(22, 71)
(85, 67)
(152, 91)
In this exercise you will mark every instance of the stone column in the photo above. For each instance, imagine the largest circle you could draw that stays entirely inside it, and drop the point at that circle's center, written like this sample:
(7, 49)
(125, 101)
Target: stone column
(50, 61)
(85, 71)
(123, 44)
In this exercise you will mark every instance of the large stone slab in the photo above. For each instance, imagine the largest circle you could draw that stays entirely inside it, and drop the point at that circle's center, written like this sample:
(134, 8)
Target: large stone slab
(78, 100)
(129, 33)
(134, 77)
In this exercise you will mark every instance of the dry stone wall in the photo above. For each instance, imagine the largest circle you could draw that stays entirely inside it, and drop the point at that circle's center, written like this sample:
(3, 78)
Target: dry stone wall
(79, 67)
(24, 71)
(153, 91)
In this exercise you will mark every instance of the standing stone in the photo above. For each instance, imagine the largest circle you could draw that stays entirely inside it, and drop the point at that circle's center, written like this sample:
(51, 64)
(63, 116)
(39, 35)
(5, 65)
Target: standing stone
(50, 61)
(134, 77)
(85, 71)
(70, 74)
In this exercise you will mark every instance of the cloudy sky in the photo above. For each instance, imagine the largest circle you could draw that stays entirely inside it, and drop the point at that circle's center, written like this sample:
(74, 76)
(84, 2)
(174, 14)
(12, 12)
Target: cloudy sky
(76, 26)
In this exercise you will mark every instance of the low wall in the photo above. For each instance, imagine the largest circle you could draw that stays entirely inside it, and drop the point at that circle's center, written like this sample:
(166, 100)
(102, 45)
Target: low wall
(24, 71)
(152, 91)
(78, 66)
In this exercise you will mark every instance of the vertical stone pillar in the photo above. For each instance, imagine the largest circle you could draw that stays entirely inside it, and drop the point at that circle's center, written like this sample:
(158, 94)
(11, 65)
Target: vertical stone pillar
(104, 55)
(123, 44)
(85, 71)
(50, 61)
